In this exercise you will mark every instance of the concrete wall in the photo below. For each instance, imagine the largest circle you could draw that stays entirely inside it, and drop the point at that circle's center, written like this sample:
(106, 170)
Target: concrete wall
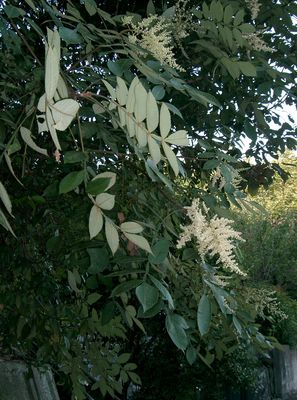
(18, 382)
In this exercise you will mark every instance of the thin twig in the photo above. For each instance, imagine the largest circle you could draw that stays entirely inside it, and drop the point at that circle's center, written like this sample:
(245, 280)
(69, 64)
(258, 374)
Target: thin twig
(25, 41)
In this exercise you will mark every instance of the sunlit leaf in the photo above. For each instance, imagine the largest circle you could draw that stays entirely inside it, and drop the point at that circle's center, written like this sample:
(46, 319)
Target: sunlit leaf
(121, 91)
(140, 241)
(52, 67)
(131, 227)
(95, 221)
(50, 124)
(154, 149)
(165, 121)
(152, 117)
(140, 102)
(26, 136)
(105, 201)
(178, 138)
(63, 112)
(112, 235)
(171, 157)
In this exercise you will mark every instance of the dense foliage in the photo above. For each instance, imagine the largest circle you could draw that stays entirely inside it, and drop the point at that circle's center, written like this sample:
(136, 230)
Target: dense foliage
(114, 117)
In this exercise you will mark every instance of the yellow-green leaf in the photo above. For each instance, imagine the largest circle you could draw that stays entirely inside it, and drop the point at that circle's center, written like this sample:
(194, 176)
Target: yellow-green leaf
(71, 181)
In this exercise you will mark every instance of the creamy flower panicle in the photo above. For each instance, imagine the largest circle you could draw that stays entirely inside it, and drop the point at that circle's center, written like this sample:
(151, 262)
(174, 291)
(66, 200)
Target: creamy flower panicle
(213, 238)
(154, 34)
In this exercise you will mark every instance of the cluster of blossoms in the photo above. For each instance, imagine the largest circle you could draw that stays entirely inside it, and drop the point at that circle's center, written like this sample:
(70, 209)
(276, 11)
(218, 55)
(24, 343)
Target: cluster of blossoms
(266, 303)
(154, 34)
(213, 238)
(217, 179)
(182, 21)
(257, 43)
(254, 7)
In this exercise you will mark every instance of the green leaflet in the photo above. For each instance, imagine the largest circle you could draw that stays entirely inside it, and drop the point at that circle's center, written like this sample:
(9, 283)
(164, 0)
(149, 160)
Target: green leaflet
(71, 181)
(204, 314)
(147, 295)
(176, 327)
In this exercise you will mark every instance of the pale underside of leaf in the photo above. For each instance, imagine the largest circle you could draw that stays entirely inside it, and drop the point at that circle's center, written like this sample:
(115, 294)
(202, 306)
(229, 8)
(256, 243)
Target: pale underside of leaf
(140, 102)
(154, 149)
(50, 123)
(165, 121)
(140, 241)
(41, 103)
(141, 135)
(95, 221)
(26, 136)
(121, 91)
(112, 235)
(5, 198)
(52, 66)
(4, 222)
(105, 201)
(110, 89)
(122, 116)
(178, 138)
(131, 95)
(152, 118)
(131, 227)
(131, 125)
(63, 112)
(9, 164)
(62, 88)
(171, 157)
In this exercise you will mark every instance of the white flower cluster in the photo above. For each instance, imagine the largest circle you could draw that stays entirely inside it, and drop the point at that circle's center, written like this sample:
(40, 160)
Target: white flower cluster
(154, 34)
(254, 7)
(257, 43)
(266, 303)
(213, 238)
(217, 179)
